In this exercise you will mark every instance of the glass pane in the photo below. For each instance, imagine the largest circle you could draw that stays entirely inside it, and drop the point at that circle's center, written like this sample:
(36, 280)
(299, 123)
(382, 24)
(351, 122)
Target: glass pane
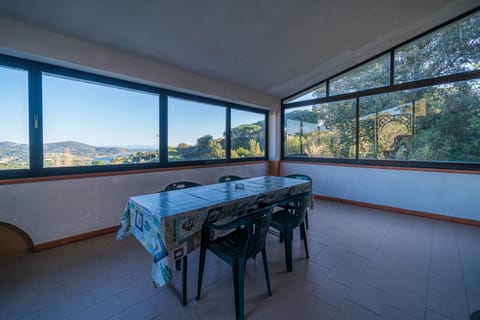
(439, 123)
(372, 74)
(247, 134)
(326, 130)
(319, 91)
(87, 124)
(14, 138)
(196, 131)
(452, 49)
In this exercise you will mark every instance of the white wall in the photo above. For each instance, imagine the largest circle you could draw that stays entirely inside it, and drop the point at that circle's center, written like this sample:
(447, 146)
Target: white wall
(451, 194)
(52, 210)
(42, 45)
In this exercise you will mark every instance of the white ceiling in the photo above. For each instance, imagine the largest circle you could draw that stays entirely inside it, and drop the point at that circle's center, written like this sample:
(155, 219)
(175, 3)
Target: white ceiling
(276, 47)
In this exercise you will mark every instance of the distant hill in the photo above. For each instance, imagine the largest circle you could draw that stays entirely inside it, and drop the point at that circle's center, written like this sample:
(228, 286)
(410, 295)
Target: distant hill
(11, 145)
(83, 149)
(10, 149)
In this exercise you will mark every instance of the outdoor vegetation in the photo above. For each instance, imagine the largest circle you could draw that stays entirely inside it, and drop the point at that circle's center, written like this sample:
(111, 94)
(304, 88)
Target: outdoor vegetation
(432, 123)
(247, 140)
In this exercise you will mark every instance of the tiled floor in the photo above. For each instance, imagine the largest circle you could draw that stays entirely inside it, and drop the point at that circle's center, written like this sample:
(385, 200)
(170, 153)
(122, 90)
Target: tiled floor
(364, 264)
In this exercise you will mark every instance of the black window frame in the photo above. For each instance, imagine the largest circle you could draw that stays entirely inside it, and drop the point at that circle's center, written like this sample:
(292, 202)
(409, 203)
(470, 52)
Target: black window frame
(392, 87)
(35, 71)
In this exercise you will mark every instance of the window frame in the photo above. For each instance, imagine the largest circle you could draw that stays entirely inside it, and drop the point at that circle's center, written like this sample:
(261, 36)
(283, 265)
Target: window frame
(228, 143)
(35, 70)
(392, 87)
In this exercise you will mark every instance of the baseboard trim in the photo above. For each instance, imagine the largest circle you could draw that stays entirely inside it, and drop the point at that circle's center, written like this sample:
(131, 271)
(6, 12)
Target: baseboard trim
(96, 233)
(75, 238)
(423, 214)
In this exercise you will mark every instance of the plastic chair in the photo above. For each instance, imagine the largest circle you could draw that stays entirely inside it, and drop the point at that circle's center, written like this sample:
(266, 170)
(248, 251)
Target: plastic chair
(229, 178)
(177, 186)
(244, 242)
(291, 216)
(301, 177)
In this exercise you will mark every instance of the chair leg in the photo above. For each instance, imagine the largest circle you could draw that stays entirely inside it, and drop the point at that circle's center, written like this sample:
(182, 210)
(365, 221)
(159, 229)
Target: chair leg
(304, 237)
(288, 233)
(238, 287)
(265, 268)
(306, 219)
(201, 267)
(178, 264)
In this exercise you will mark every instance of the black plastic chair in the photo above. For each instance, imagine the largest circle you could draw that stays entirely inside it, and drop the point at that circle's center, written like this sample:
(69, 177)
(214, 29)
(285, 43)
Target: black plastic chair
(178, 263)
(229, 178)
(301, 177)
(291, 216)
(244, 242)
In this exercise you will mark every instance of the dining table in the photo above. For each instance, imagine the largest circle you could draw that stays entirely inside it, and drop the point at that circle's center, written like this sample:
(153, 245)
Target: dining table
(168, 224)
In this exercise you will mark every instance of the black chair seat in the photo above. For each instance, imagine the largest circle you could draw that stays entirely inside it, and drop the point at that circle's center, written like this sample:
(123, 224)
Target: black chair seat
(281, 219)
(231, 246)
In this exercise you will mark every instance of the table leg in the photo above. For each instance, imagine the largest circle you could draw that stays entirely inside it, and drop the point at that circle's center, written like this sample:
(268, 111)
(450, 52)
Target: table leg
(184, 281)
(182, 295)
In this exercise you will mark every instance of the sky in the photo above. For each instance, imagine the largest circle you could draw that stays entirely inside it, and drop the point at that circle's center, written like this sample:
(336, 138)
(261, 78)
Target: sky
(13, 105)
(311, 94)
(102, 115)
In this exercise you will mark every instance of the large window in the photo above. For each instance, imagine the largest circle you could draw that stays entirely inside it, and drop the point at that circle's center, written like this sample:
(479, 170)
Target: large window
(325, 130)
(56, 121)
(196, 130)
(398, 120)
(247, 134)
(87, 124)
(14, 137)
(438, 123)
(452, 49)
(375, 73)
(318, 91)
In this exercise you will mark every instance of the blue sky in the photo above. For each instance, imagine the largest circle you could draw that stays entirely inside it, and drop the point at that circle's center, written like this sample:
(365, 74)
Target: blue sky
(98, 115)
(101, 115)
(13, 105)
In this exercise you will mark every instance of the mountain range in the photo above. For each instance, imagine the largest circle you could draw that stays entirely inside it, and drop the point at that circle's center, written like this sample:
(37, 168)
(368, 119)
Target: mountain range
(10, 149)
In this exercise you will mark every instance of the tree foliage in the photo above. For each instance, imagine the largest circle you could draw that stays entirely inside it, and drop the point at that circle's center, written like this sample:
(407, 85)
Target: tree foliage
(437, 123)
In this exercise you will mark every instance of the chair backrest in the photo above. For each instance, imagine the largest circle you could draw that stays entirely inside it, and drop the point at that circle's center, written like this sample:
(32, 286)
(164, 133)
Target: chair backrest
(257, 224)
(299, 176)
(181, 185)
(229, 178)
(297, 208)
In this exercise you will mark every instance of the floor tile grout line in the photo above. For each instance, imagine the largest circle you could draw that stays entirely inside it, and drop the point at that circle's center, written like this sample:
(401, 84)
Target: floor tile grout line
(363, 307)
(461, 267)
(429, 270)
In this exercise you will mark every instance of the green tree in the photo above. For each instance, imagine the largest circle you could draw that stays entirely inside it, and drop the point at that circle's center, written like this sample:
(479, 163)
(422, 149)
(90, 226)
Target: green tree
(439, 123)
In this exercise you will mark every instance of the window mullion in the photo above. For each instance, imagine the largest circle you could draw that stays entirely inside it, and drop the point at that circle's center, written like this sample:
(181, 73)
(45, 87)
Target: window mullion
(35, 120)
